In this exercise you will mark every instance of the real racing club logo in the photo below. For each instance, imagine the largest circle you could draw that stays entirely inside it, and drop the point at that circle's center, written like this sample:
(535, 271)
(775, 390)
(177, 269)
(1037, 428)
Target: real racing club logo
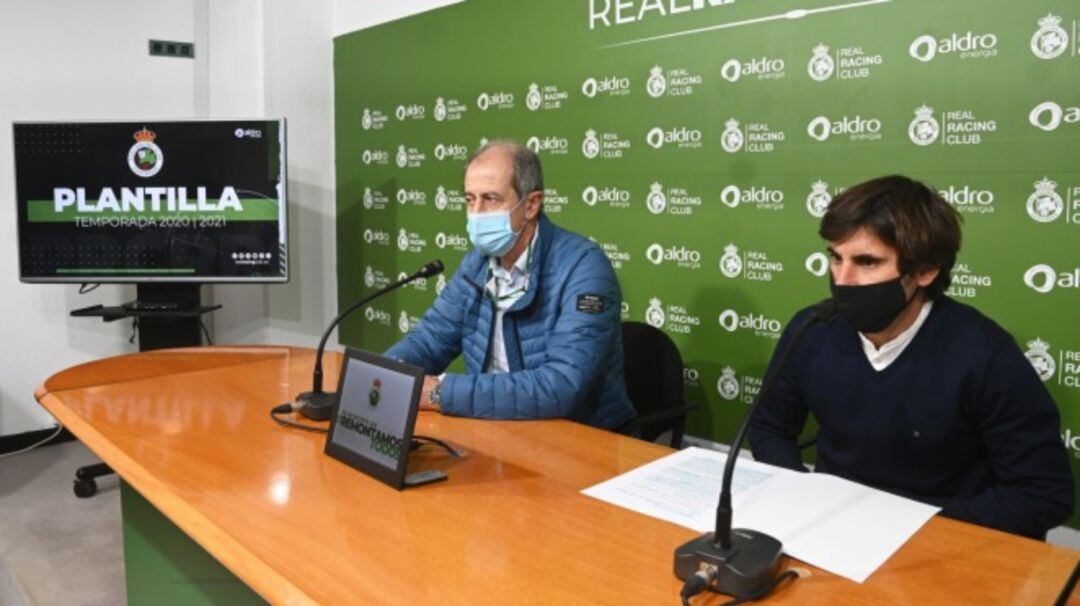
(375, 395)
(1050, 40)
(145, 158)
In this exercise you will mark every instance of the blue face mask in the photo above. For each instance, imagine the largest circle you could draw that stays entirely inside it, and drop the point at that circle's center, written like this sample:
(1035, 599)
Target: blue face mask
(491, 232)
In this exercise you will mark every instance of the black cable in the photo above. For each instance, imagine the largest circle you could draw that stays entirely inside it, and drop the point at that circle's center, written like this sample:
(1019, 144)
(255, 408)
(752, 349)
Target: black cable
(764, 591)
(206, 332)
(437, 442)
(83, 287)
(286, 408)
(134, 329)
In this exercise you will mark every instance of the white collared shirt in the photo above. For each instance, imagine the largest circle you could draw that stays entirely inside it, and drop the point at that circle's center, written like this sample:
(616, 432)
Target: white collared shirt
(881, 358)
(506, 286)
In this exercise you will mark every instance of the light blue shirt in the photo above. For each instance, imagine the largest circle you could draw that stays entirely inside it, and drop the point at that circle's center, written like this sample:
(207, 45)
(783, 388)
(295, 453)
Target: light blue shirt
(506, 286)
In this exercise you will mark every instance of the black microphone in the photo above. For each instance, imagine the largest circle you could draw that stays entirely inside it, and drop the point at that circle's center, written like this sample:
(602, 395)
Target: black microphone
(742, 562)
(317, 404)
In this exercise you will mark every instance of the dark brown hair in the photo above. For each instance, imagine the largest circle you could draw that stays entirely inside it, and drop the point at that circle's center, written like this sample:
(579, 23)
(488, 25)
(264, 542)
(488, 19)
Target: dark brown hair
(905, 214)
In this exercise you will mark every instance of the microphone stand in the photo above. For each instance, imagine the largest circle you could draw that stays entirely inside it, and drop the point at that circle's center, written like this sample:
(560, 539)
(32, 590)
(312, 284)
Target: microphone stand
(742, 562)
(318, 404)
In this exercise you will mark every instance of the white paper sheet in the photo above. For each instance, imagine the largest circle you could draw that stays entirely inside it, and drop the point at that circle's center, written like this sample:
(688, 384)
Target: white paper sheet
(834, 524)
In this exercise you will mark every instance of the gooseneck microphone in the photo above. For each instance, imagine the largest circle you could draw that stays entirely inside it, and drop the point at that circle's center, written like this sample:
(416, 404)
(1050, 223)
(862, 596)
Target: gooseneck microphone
(317, 404)
(741, 562)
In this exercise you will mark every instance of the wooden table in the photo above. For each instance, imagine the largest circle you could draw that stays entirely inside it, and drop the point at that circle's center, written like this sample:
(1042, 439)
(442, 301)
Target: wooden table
(190, 431)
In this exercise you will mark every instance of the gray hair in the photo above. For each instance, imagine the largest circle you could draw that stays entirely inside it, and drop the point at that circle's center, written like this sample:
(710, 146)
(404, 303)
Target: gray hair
(528, 176)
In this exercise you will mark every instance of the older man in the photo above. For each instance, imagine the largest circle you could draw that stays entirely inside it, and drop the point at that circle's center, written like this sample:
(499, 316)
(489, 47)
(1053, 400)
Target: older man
(915, 393)
(533, 308)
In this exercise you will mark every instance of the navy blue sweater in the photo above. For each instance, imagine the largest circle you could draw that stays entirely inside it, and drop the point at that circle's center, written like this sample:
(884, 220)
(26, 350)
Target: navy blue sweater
(959, 420)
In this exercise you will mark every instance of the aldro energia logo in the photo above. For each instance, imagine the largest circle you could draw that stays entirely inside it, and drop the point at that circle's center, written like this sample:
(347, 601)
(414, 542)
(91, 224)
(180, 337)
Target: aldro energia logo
(1043, 278)
(758, 68)
(376, 236)
(817, 263)
(606, 86)
(968, 199)
(1051, 40)
(555, 146)
(759, 325)
(495, 100)
(680, 256)
(679, 136)
(611, 196)
(451, 151)
(760, 197)
(1049, 115)
(145, 158)
(415, 197)
(375, 156)
(966, 45)
(419, 285)
(410, 112)
(855, 128)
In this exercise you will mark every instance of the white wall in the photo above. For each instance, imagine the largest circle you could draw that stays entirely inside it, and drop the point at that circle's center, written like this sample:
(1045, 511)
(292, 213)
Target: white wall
(351, 15)
(73, 61)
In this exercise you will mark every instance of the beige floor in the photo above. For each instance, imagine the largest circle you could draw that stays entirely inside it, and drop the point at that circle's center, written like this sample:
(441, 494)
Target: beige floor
(56, 549)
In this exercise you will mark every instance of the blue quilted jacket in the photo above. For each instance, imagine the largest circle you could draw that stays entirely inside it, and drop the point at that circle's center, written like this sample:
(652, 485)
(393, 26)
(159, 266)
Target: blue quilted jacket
(562, 337)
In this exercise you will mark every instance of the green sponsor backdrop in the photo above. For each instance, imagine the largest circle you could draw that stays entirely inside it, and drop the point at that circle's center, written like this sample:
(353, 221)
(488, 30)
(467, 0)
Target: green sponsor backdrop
(698, 144)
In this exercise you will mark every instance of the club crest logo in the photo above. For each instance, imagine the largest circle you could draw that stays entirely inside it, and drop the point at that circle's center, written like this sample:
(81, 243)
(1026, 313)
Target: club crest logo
(819, 199)
(590, 147)
(440, 109)
(656, 201)
(656, 85)
(1038, 353)
(821, 65)
(145, 158)
(1050, 40)
(403, 323)
(369, 200)
(369, 277)
(728, 384)
(1045, 205)
(375, 395)
(402, 157)
(403, 240)
(924, 129)
(732, 138)
(654, 315)
(731, 264)
(441, 198)
(365, 121)
(533, 99)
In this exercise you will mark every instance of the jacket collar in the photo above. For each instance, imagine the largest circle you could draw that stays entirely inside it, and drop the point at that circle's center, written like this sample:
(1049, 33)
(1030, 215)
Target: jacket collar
(479, 274)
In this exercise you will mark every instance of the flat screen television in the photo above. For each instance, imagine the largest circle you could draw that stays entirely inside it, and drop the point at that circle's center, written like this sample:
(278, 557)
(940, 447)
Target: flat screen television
(170, 201)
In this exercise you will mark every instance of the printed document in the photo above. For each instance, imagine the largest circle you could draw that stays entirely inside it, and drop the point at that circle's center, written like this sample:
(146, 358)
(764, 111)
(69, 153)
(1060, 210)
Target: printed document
(834, 524)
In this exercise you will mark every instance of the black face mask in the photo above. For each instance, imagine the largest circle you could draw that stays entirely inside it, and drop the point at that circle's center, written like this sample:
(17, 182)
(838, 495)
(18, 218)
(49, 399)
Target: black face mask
(870, 308)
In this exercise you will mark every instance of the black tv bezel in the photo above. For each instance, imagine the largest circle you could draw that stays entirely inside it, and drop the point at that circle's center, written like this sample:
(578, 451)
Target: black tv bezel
(136, 279)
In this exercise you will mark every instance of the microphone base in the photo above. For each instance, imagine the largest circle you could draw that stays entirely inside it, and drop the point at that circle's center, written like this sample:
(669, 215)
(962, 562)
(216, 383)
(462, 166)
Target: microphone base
(745, 569)
(317, 405)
